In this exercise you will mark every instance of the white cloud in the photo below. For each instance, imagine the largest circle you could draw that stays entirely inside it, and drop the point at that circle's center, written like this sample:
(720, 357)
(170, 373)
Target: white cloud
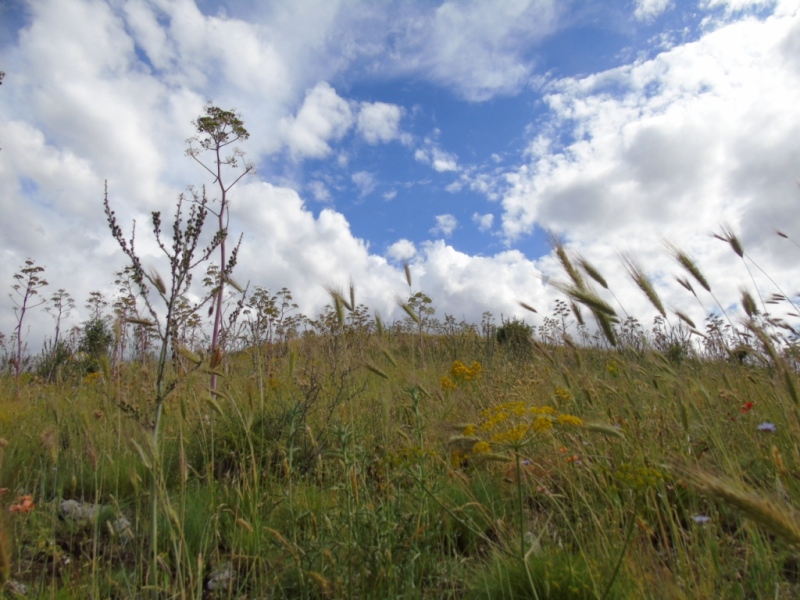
(484, 222)
(475, 48)
(464, 285)
(672, 146)
(647, 10)
(445, 225)
(695, 137)
(431, 154)
(696, 122)
(402, 250)
(379, 122)
(365, 182)
(320, 191)
(324, 116)
(737, 5)
(108, 90)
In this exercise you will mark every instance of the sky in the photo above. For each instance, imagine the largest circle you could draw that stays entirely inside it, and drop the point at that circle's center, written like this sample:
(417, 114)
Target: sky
(451, 136)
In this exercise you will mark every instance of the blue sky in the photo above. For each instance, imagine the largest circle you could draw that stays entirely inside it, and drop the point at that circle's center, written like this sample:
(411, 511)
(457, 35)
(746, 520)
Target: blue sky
(445, 134)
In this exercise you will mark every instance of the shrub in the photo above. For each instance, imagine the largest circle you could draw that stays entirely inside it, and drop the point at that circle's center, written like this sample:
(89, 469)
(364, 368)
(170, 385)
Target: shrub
(515, 336)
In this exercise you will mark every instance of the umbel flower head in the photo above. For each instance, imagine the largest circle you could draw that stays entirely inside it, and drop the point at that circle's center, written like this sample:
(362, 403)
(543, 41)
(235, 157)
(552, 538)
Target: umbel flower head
(514, 425)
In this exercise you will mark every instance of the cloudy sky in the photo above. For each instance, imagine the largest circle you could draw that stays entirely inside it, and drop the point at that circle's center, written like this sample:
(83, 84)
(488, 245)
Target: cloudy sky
(450, 135)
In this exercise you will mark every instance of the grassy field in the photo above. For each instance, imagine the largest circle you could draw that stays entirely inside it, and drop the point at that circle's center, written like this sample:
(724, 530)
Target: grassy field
(357, 461)
(339, 466)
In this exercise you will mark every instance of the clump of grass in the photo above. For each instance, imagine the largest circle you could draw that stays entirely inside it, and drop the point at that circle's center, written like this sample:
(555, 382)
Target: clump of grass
(779, 519)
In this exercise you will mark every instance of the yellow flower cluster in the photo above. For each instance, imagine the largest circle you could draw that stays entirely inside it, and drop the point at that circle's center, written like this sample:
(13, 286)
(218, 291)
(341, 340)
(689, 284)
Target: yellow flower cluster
(570, 420)
(514, 424)
(447, 384)
(92, 378)
(460, 373)
(481, 448)
(562, 394)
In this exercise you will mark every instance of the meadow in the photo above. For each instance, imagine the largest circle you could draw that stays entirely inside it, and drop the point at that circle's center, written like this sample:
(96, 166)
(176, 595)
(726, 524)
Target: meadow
(342, 457)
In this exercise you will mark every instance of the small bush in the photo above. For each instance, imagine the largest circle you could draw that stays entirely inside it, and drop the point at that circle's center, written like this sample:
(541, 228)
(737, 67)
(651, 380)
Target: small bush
(515, 336)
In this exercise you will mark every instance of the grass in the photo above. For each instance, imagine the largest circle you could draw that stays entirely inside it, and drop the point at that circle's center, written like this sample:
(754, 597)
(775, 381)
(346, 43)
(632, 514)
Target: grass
(361, 463)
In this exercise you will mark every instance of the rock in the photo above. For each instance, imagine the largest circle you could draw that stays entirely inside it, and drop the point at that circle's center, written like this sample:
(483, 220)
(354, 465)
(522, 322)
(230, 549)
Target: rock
(83, 513)
(220, 578)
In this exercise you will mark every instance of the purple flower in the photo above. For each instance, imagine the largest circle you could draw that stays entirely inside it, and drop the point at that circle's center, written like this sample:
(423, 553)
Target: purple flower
(701, 519)
(766, 426)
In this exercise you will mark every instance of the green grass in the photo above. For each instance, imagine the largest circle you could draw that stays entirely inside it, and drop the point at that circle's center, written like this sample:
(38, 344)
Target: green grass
(310, 475)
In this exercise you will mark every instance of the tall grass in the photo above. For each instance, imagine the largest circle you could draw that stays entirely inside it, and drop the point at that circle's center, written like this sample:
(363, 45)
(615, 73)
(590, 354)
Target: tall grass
(363, 460)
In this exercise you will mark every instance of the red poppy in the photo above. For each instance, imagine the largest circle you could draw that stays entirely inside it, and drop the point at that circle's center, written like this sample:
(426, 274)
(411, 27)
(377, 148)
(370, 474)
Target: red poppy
(747, 407)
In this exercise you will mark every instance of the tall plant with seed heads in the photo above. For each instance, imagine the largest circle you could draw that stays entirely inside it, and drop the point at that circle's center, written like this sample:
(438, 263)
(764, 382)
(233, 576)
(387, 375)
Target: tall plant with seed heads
(29, 282)
(184, 254)
(217, 133)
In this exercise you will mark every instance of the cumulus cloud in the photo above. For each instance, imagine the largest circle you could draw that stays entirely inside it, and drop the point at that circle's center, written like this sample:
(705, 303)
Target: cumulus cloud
(379, 122)
(683, 128)
(464, 285)
(402, 250)
(324, 116)
(672, 147)
(445, 225)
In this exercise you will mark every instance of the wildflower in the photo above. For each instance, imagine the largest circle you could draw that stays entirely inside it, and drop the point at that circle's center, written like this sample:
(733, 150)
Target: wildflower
(469, 430)
(513, 435)
(24, 504)
(481, 448)
(542, 424)
(542, 410)
(570, 420)
(768, 427)
(462, 373)
(562, 394)
(458, 459)
(747, 407)
(701, 519)
(446, 383)
(92, 378)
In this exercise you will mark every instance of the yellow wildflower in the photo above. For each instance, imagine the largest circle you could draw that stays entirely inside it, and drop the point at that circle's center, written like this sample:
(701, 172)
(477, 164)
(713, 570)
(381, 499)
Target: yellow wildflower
(481, 448)
(446, 383)
(570, 420)
(562, 394)
(512, 436)
(542, 424)
(542, 410)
